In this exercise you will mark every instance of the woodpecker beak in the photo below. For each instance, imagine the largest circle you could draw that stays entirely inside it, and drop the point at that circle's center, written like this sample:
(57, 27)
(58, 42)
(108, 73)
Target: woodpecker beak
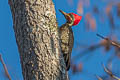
(66, 15)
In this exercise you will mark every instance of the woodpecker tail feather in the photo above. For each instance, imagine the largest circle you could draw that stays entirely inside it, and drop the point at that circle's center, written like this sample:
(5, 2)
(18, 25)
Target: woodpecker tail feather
(67, 61)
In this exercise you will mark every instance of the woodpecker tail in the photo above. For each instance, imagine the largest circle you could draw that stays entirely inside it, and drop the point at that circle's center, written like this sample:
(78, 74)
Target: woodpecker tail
(67, 60)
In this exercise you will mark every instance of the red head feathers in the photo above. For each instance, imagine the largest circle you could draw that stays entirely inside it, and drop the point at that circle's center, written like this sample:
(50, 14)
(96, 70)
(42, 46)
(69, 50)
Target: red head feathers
(77, 18)
(72, 16)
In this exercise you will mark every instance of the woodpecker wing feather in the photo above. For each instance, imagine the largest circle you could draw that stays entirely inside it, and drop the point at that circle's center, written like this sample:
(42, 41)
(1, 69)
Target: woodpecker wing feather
(67, 40)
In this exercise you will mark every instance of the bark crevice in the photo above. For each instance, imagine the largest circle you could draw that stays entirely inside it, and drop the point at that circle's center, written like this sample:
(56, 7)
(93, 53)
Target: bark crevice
(36, 32)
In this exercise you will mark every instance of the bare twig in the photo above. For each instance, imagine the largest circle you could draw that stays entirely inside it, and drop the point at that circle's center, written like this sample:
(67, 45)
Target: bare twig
(98, 77)
(110, 73)
(5, 68)
(110, 41)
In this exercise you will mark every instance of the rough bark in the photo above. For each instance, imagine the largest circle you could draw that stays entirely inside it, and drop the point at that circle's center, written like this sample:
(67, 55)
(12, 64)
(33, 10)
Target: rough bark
(36, 32)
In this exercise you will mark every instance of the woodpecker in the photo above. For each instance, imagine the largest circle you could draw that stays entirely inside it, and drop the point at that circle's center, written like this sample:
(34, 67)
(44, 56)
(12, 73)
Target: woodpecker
(67, 37)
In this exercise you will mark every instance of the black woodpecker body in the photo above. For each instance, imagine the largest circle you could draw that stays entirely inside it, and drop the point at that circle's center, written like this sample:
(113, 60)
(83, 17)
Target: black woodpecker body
(66, 36)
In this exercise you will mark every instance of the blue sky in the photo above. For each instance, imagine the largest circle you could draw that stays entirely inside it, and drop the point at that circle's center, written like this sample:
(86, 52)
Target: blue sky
(93, 65)
(9, 51)
(8, 47)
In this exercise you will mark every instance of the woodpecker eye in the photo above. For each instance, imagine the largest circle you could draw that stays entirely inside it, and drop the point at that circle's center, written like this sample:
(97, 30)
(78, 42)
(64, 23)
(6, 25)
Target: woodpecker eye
(69, 19)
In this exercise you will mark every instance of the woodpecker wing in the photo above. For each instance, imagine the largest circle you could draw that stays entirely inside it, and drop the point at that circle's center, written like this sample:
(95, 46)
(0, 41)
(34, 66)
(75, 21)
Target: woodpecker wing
(67, 40)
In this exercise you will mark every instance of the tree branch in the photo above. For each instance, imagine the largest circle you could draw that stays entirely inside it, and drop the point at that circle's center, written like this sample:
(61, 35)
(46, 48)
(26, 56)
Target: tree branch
(98, 77)
(110, 73)
(5, 68)
(110, 41)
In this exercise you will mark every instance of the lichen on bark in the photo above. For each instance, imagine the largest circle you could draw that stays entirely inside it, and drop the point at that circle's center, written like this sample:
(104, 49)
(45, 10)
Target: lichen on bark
(36, 32)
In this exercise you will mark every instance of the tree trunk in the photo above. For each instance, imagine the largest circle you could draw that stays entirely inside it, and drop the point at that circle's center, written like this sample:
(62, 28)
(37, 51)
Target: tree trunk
(37, 37)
